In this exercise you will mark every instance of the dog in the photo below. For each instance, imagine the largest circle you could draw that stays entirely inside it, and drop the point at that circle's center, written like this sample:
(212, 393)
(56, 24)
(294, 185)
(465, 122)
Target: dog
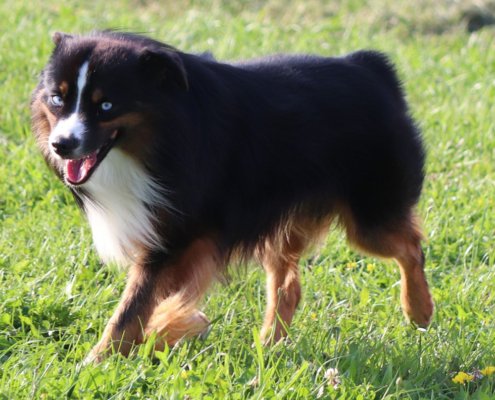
(184, 165)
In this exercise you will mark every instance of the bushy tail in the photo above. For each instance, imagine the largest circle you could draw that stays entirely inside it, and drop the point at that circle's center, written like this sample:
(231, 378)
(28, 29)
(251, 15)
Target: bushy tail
(382, 67)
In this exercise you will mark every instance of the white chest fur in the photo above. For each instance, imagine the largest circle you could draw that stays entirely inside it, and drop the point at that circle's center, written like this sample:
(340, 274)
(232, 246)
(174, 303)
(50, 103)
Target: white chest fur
(118, 210)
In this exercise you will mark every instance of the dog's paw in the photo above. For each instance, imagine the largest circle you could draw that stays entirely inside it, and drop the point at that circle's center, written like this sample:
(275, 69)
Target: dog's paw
(172, 327)
(272, 335)
(419, 312)
(95, 356)
(206, 325)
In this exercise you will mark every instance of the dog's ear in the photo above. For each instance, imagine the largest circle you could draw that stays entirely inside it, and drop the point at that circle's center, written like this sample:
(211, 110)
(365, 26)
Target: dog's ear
(164, 65)
(59, 37)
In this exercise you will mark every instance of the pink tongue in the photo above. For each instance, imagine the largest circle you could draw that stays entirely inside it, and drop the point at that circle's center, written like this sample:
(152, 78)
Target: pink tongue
(77, 170)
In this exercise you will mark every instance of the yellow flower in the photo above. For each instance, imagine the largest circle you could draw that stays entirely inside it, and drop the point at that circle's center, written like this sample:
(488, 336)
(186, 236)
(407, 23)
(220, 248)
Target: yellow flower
(314, 316)
(351, 265)
(183, 374)
(370, 267)
(462, 378)
(487, 371)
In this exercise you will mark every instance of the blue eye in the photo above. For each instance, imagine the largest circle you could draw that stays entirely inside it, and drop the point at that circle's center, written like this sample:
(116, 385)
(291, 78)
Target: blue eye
(56, 100)
(106, 106)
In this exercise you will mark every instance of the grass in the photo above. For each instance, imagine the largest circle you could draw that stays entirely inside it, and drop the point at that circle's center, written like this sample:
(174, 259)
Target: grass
(55, 296)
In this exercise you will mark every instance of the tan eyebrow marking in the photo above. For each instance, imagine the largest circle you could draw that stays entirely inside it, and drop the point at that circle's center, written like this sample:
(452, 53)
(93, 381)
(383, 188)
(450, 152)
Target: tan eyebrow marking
(64, 88)
(129, 119)
(97, 96)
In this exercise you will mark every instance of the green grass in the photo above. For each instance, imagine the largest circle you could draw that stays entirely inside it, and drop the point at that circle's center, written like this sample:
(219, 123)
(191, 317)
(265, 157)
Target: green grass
(55, 296)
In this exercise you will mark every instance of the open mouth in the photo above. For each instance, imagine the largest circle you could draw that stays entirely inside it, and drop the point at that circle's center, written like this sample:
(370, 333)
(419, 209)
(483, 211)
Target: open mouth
(78, 171)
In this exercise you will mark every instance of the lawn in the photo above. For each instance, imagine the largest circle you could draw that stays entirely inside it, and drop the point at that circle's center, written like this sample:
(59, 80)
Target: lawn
(349, 339)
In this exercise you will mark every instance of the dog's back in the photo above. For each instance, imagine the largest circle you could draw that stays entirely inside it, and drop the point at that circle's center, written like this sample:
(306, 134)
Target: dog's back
(310, 133)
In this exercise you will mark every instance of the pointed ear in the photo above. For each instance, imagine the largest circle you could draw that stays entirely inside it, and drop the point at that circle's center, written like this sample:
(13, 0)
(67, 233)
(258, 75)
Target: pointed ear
(165, 66)
(58, 37)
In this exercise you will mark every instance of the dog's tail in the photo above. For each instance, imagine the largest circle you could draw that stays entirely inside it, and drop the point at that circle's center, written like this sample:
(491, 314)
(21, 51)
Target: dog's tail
(381, 66)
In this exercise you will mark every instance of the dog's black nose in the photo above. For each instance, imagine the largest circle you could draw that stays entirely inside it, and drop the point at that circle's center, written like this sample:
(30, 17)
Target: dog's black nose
(65, 146)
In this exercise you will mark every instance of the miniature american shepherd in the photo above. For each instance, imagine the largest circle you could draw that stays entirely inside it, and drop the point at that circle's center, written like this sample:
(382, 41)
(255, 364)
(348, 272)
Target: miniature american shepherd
(184, 165)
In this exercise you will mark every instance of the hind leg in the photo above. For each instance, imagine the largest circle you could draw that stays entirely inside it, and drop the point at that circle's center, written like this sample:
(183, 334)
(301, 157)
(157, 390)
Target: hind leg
(280, 256)
(402, 242)
(283, 289)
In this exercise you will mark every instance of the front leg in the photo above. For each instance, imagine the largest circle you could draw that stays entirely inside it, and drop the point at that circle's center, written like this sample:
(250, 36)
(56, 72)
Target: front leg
(126, 325)
(161, 297)
(179, 290)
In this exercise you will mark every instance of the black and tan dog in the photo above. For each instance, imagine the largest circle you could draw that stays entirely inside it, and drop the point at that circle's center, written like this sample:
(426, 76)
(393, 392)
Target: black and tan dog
(182, 164)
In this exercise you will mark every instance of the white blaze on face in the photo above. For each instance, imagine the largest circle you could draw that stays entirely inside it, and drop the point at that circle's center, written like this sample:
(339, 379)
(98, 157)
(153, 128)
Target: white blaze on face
(81, 83)
(73, 126)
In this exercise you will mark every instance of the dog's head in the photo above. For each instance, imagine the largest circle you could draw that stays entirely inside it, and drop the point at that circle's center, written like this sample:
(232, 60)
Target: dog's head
(97, 92)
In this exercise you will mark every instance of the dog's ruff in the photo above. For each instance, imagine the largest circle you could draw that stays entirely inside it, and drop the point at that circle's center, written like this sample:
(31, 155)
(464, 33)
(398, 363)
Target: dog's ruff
(119, 204)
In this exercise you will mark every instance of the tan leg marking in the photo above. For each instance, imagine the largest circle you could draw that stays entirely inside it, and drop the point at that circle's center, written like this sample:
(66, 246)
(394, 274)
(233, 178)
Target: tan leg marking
(179, 292)
(280, 257)
(125, 327)
(162, 300)
(401, 242)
